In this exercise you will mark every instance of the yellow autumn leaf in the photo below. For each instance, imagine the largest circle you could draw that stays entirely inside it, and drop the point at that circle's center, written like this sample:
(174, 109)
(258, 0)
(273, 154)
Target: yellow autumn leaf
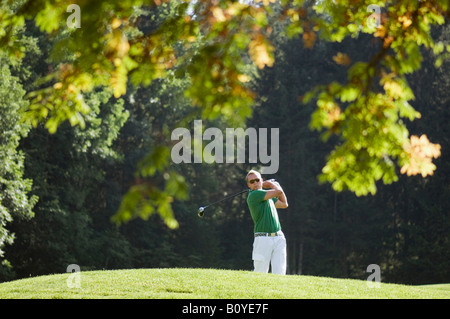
(57, 86)
(116, 23)
(119, 81)
(260, 52)
(334, 114)
(243, 78)
(380, 32)
(393, 89)
(420, 152)
(117, 44)
(71, 88)
(309, 38)
(423, 147)
(405, 20)
(342, 59)
(218, 14)
(117, 61)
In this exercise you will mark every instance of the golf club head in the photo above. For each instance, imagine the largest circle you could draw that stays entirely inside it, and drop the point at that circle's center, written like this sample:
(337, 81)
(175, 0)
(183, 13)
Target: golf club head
(201, 211)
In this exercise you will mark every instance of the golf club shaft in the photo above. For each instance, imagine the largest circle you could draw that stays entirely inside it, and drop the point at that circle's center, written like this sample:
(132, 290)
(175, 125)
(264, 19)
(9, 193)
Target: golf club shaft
(202, 209)
(229, 196)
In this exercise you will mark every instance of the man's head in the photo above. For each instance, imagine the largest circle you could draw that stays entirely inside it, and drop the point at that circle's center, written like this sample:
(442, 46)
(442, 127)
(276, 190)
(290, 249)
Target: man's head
(254, 180)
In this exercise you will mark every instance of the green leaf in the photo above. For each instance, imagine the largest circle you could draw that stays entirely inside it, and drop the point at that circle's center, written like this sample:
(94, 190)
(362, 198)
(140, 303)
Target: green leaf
(350, 93)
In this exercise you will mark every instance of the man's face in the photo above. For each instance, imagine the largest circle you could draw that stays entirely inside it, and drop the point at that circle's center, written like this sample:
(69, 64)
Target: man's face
(254, 182)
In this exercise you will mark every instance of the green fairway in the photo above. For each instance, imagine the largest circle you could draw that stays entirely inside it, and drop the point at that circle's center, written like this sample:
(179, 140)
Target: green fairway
(206, 283)
(445, 287)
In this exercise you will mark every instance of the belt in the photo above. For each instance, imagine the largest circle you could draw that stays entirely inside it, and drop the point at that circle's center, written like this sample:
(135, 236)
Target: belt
(278, 233)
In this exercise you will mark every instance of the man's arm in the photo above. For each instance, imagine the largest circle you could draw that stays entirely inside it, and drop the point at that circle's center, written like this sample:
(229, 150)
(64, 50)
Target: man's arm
(276, 191)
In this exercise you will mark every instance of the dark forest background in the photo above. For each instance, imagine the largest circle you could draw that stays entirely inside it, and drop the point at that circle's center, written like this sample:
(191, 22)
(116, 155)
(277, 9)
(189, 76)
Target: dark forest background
(77, 177)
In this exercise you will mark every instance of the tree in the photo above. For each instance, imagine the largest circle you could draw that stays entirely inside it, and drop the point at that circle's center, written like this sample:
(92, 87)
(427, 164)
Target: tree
(403, 226)
(365, 112)
(68, 170)
(15, 201)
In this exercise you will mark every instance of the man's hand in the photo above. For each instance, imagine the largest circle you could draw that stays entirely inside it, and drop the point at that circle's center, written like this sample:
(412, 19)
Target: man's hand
(271, 184)
(275, 191)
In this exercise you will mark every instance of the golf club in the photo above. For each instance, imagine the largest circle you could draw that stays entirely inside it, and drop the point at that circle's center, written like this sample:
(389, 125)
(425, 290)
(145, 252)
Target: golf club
(202, 209)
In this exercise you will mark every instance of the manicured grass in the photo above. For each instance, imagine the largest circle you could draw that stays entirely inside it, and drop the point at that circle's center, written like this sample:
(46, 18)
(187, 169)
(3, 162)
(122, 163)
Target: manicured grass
(205, 284)
(445, 287)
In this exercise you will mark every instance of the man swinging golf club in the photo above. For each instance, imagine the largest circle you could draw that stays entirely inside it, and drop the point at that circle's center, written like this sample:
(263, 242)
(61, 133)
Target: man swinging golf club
(269, 246)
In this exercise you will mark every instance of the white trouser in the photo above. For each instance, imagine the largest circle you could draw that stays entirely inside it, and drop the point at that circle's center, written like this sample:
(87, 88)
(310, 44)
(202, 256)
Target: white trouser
(270, 250)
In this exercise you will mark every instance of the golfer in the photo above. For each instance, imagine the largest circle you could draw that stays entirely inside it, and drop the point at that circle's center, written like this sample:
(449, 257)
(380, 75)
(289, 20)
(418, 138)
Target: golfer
(269, 246)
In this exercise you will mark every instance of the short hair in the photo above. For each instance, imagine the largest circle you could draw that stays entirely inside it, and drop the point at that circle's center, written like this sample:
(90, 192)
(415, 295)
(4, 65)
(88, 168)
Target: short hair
(252, 171)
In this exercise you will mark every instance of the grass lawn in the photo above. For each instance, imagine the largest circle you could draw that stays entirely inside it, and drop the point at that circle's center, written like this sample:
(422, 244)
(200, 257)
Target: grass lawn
(173, 283)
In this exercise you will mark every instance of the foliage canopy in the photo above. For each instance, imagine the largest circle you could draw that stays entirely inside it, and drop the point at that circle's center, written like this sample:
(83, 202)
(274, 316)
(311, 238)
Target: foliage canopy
(213, 42)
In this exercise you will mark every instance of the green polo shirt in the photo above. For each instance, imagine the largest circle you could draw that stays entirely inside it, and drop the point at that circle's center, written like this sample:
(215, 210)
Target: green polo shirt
(264, 212)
